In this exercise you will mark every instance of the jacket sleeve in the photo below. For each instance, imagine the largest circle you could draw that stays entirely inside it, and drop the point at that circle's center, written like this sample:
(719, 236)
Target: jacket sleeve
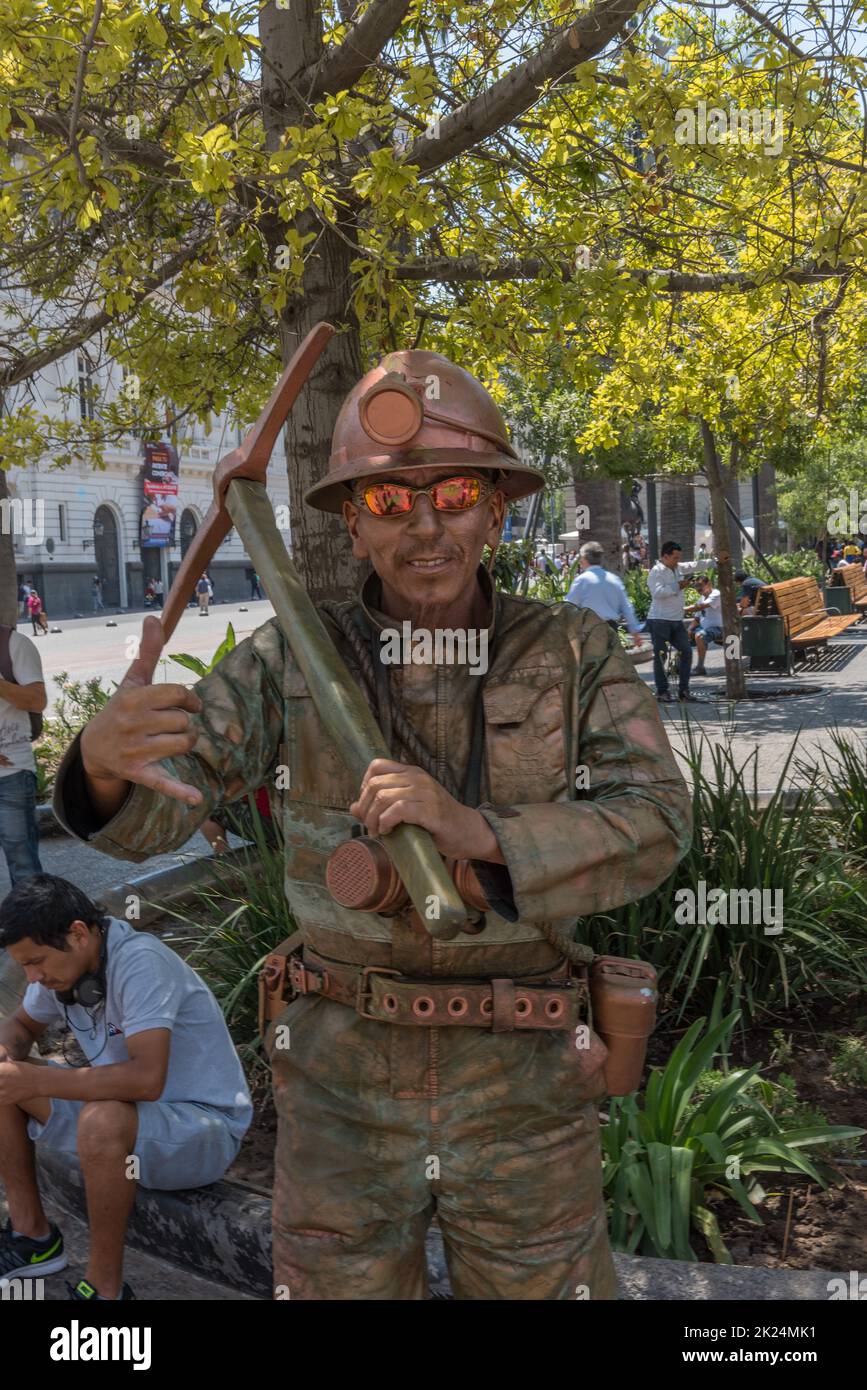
(240, 728)
(632, 823)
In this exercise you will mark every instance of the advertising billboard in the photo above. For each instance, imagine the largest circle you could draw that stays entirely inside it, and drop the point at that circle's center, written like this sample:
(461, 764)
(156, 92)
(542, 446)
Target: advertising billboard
(160, 495)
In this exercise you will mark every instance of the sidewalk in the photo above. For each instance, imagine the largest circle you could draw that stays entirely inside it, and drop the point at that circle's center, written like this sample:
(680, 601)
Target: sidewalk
(769, 726)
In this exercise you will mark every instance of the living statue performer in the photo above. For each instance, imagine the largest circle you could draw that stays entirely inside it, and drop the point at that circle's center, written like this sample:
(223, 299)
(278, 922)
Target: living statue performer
(413, 1075)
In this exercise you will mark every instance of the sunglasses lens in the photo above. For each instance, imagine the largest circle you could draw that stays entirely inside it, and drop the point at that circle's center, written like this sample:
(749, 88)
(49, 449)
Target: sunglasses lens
(388, 499)
(456, 494)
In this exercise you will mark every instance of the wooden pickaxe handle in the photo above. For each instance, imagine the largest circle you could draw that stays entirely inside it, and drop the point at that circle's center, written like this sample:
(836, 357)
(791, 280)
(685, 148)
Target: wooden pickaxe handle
(341, 706)
(249, 460)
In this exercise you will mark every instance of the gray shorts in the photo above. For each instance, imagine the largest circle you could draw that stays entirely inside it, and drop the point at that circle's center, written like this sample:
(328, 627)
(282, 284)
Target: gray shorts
(179, 1143)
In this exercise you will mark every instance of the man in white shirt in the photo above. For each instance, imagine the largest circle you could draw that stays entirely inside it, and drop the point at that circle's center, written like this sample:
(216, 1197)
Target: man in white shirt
(22, 692)
(665, 621)
(708, 626)
(603, 592)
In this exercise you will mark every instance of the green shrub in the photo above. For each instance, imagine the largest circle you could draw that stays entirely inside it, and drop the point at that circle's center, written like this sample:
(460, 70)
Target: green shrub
(823, 945)
(232, 926)
(787, 566)
(693, 1133)
(204, 668)
(849, 1066)
(843, 773)
(78, 702)
(638, 592)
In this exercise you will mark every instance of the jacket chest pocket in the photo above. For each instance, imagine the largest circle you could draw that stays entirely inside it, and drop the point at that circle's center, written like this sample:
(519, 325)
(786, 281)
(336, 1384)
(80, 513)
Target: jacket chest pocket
(316, 772)
(525, 742)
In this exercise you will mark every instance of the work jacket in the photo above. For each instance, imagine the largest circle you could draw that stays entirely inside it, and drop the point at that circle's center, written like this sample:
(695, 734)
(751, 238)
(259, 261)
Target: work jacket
(578, 783)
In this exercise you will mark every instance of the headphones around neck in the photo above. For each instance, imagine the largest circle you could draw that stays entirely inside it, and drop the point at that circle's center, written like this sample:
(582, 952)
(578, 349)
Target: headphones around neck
(90, 990)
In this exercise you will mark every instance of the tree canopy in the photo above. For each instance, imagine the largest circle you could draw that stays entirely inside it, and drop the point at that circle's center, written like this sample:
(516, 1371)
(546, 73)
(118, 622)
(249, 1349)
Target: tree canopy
(670, 197)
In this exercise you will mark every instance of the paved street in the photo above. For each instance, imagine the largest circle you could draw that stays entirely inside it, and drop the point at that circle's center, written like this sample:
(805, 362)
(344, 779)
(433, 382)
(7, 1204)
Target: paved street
(769, 726)
(89, 647)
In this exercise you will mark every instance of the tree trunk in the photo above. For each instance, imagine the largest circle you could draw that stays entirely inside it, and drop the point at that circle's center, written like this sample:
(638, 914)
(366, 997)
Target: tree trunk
(768, 516)
(601, 497)
(291, 40)
(716, 481)
(733, 496)
(677, 513)
(8, 575)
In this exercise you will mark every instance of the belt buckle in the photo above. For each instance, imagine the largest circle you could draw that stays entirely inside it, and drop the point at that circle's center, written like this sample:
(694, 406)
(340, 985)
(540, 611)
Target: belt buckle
(363, 992)
(298, 973)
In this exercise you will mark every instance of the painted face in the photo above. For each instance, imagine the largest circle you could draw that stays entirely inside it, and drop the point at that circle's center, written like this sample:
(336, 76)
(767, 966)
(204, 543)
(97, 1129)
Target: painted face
(426, 556)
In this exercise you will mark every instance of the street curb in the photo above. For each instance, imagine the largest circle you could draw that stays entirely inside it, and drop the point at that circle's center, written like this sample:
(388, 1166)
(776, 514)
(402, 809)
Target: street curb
(223, 1232)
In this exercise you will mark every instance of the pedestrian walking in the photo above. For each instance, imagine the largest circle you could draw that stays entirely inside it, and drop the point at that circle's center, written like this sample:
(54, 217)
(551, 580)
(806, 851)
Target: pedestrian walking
(158, 593)
(203, 593)
(665, 621)
(23, 596)
(22, 693)
(35, 610)
(603, 592)
(255, 587)
(96, 587)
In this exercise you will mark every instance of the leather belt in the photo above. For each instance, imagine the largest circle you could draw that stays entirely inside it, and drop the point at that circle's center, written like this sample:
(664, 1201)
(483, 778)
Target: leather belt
(555, 1001)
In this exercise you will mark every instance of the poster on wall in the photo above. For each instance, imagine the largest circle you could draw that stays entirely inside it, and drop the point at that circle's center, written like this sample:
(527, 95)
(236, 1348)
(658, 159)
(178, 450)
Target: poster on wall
(160, 495)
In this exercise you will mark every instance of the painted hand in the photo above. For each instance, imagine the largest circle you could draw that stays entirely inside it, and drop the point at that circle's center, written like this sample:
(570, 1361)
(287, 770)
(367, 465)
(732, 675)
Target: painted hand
(395, 793)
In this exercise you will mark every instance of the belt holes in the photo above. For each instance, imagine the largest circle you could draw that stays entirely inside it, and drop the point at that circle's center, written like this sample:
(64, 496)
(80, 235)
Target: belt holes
(554, 1008)
(523, 1006)
(458, 1006)
(423, 1007)
(486, 1007)
(389, 1003)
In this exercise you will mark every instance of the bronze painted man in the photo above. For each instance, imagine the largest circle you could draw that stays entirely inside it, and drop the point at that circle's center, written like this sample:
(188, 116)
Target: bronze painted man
(415, 1076)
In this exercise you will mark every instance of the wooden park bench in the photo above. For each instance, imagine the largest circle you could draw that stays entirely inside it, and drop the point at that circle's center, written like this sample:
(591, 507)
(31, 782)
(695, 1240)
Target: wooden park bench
(806, 623)
(852, 576)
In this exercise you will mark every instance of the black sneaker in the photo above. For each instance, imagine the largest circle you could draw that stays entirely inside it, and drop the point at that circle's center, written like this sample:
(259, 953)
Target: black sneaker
(83, 1290)
(21, 1257)
(689, 699)
(666, 699)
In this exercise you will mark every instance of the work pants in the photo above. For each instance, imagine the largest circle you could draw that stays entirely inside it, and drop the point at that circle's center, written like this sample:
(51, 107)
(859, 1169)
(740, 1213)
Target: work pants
(382, 1125)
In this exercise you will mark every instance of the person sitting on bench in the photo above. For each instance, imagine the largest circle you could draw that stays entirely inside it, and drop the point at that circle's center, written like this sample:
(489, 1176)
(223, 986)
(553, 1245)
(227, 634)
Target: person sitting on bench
(163, 1100)
(708, 626)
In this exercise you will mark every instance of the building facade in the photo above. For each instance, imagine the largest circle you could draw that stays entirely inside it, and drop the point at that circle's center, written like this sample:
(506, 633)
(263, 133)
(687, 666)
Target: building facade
(70, 524)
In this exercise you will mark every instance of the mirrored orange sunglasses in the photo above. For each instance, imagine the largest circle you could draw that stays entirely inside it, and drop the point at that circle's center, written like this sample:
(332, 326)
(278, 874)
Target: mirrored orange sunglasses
(455, 494)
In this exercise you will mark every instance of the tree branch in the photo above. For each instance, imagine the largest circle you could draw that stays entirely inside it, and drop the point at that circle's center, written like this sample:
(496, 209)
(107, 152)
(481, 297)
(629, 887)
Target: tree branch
(464, 268)
(79, 88)
(341, 67)
(27, 366)
(519, 89)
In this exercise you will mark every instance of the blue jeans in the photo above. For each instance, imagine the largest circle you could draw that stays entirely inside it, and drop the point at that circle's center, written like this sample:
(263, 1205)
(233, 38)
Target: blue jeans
(19, 834)
(663, 632)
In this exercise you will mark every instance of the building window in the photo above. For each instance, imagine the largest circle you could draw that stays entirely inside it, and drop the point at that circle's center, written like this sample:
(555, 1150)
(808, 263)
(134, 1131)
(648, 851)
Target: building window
(61, 519)
(85, 389)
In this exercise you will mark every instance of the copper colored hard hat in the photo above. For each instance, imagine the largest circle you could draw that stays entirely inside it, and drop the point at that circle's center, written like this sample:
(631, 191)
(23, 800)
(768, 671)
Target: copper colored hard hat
(418, 410)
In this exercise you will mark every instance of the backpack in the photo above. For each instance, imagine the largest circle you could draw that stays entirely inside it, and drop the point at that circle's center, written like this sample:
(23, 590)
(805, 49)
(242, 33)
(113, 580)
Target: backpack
(6, 673)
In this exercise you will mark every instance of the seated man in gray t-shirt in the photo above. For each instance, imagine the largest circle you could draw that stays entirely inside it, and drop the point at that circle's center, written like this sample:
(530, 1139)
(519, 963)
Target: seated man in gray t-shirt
(164, 1100)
